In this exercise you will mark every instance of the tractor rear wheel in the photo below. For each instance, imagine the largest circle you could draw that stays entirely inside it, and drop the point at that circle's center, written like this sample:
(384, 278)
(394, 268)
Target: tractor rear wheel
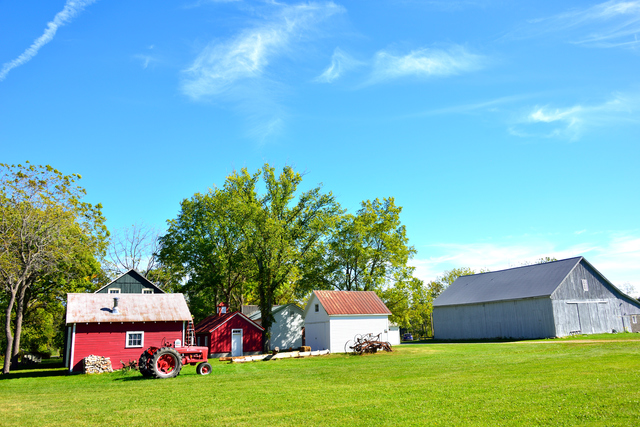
(166, 363)
(203, 368)
(143, 364)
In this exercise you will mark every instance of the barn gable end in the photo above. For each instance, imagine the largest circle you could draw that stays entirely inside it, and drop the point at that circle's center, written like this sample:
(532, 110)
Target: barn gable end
(216, 332)
(130, 282)
(587, 303)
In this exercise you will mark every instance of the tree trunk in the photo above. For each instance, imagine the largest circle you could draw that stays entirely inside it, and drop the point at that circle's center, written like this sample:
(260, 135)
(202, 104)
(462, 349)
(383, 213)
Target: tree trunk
(7, 354)
(21, 303)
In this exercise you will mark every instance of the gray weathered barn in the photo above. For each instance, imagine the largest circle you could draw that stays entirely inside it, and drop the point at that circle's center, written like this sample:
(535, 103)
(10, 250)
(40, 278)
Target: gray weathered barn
(553, 299)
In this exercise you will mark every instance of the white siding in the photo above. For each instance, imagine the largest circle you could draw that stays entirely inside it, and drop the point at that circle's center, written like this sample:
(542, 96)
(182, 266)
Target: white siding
(345, 328)
(394, 335)
(286, 332)
(316, 325)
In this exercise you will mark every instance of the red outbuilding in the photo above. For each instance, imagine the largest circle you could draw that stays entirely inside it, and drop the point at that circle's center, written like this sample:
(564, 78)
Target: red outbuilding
(229, 334)
(122, 326)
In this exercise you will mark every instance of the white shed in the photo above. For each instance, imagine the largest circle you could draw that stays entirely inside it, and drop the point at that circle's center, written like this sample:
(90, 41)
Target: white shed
(332, 318)
(286, 330)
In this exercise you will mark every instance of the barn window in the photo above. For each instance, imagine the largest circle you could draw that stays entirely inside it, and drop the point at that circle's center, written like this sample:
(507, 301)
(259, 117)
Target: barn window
(317, 308)
(634, 319)
(135, 339)
(114, 290)
(147, 291)
(585, 285)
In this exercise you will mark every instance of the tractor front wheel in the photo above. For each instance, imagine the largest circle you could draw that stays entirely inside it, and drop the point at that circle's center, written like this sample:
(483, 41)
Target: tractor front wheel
(166, 363)
(203, 368)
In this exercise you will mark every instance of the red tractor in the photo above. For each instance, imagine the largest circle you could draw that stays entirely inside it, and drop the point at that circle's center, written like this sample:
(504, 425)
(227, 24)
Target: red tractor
(167, 361)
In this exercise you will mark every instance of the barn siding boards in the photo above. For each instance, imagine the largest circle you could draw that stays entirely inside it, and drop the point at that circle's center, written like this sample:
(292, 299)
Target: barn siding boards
(109, 340)
(343, 329)
(495, 320)
(130, 282)
(539, 301)
(286, 330)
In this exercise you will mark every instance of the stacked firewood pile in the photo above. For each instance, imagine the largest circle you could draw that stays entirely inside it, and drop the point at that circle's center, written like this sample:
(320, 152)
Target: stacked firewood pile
(96, 364)
(368, 343)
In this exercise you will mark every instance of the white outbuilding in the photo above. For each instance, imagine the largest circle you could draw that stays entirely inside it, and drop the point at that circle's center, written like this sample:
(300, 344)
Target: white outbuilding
(332, 318)
(286, 330)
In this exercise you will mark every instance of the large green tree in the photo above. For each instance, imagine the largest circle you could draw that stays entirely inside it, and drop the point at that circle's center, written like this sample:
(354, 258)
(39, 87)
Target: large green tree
(281, 228)
(367, 251)
(206, 246)
(45, 228)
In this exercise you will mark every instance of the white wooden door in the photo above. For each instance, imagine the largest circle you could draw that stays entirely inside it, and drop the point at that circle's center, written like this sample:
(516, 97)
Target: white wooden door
(236, 342)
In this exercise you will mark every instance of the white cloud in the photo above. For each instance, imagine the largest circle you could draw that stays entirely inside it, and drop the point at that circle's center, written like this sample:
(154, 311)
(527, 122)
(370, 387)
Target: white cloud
(572, 122)
(146, 60)
(70, 10)
(425, 63)
(608, 24)
(224, 64)
(340, 63)
(615, 254)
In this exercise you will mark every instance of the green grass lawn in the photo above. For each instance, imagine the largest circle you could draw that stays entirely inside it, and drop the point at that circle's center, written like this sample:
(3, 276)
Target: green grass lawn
(552, 382)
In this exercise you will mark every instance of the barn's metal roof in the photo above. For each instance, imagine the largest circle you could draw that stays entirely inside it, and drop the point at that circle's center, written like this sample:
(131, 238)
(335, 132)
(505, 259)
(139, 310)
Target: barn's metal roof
(94, 308)
(351, 302)
(213, 322)
(531, 281)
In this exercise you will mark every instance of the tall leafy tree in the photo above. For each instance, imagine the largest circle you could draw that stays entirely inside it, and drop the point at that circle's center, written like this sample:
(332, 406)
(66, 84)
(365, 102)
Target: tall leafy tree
(281, 228)
(366, 251)
(205, 245)
(45, 227)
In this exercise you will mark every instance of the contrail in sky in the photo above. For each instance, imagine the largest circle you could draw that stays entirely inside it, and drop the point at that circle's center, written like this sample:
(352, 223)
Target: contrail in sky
(71, 9)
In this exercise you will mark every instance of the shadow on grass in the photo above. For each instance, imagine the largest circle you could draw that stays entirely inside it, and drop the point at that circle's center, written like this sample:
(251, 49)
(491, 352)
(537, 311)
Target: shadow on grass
(34, 373)
(133, 378)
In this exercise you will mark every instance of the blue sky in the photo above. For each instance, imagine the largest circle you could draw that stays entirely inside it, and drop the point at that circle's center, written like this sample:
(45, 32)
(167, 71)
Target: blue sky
(507, 130)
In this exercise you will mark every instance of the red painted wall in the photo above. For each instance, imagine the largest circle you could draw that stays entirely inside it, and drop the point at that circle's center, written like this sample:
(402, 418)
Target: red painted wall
(109, 340)
(220, 340)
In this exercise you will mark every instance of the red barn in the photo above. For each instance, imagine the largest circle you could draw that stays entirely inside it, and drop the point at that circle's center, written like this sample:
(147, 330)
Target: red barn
(121, 327)
(229, 334)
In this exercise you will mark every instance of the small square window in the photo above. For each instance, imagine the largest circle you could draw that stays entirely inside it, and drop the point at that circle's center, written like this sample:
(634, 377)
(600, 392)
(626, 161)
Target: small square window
(114, 290)
(147, 291)
(135, 339)
(317, 308)
(585, 285)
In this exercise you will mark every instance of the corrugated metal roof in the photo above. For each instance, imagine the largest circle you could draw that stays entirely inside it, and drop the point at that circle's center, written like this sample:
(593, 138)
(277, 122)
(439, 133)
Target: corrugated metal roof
(531, 281)
(351, 302)
(213, 322)
(93, 308)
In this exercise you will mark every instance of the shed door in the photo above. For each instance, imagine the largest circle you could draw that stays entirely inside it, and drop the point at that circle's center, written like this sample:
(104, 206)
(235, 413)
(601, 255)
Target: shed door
(236, 342)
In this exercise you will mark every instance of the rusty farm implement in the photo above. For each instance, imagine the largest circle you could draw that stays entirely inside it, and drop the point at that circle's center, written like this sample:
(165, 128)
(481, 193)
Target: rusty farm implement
(367, 343)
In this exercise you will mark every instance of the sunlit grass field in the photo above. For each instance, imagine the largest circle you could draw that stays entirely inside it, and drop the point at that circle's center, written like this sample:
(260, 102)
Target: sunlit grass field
(550, 382)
